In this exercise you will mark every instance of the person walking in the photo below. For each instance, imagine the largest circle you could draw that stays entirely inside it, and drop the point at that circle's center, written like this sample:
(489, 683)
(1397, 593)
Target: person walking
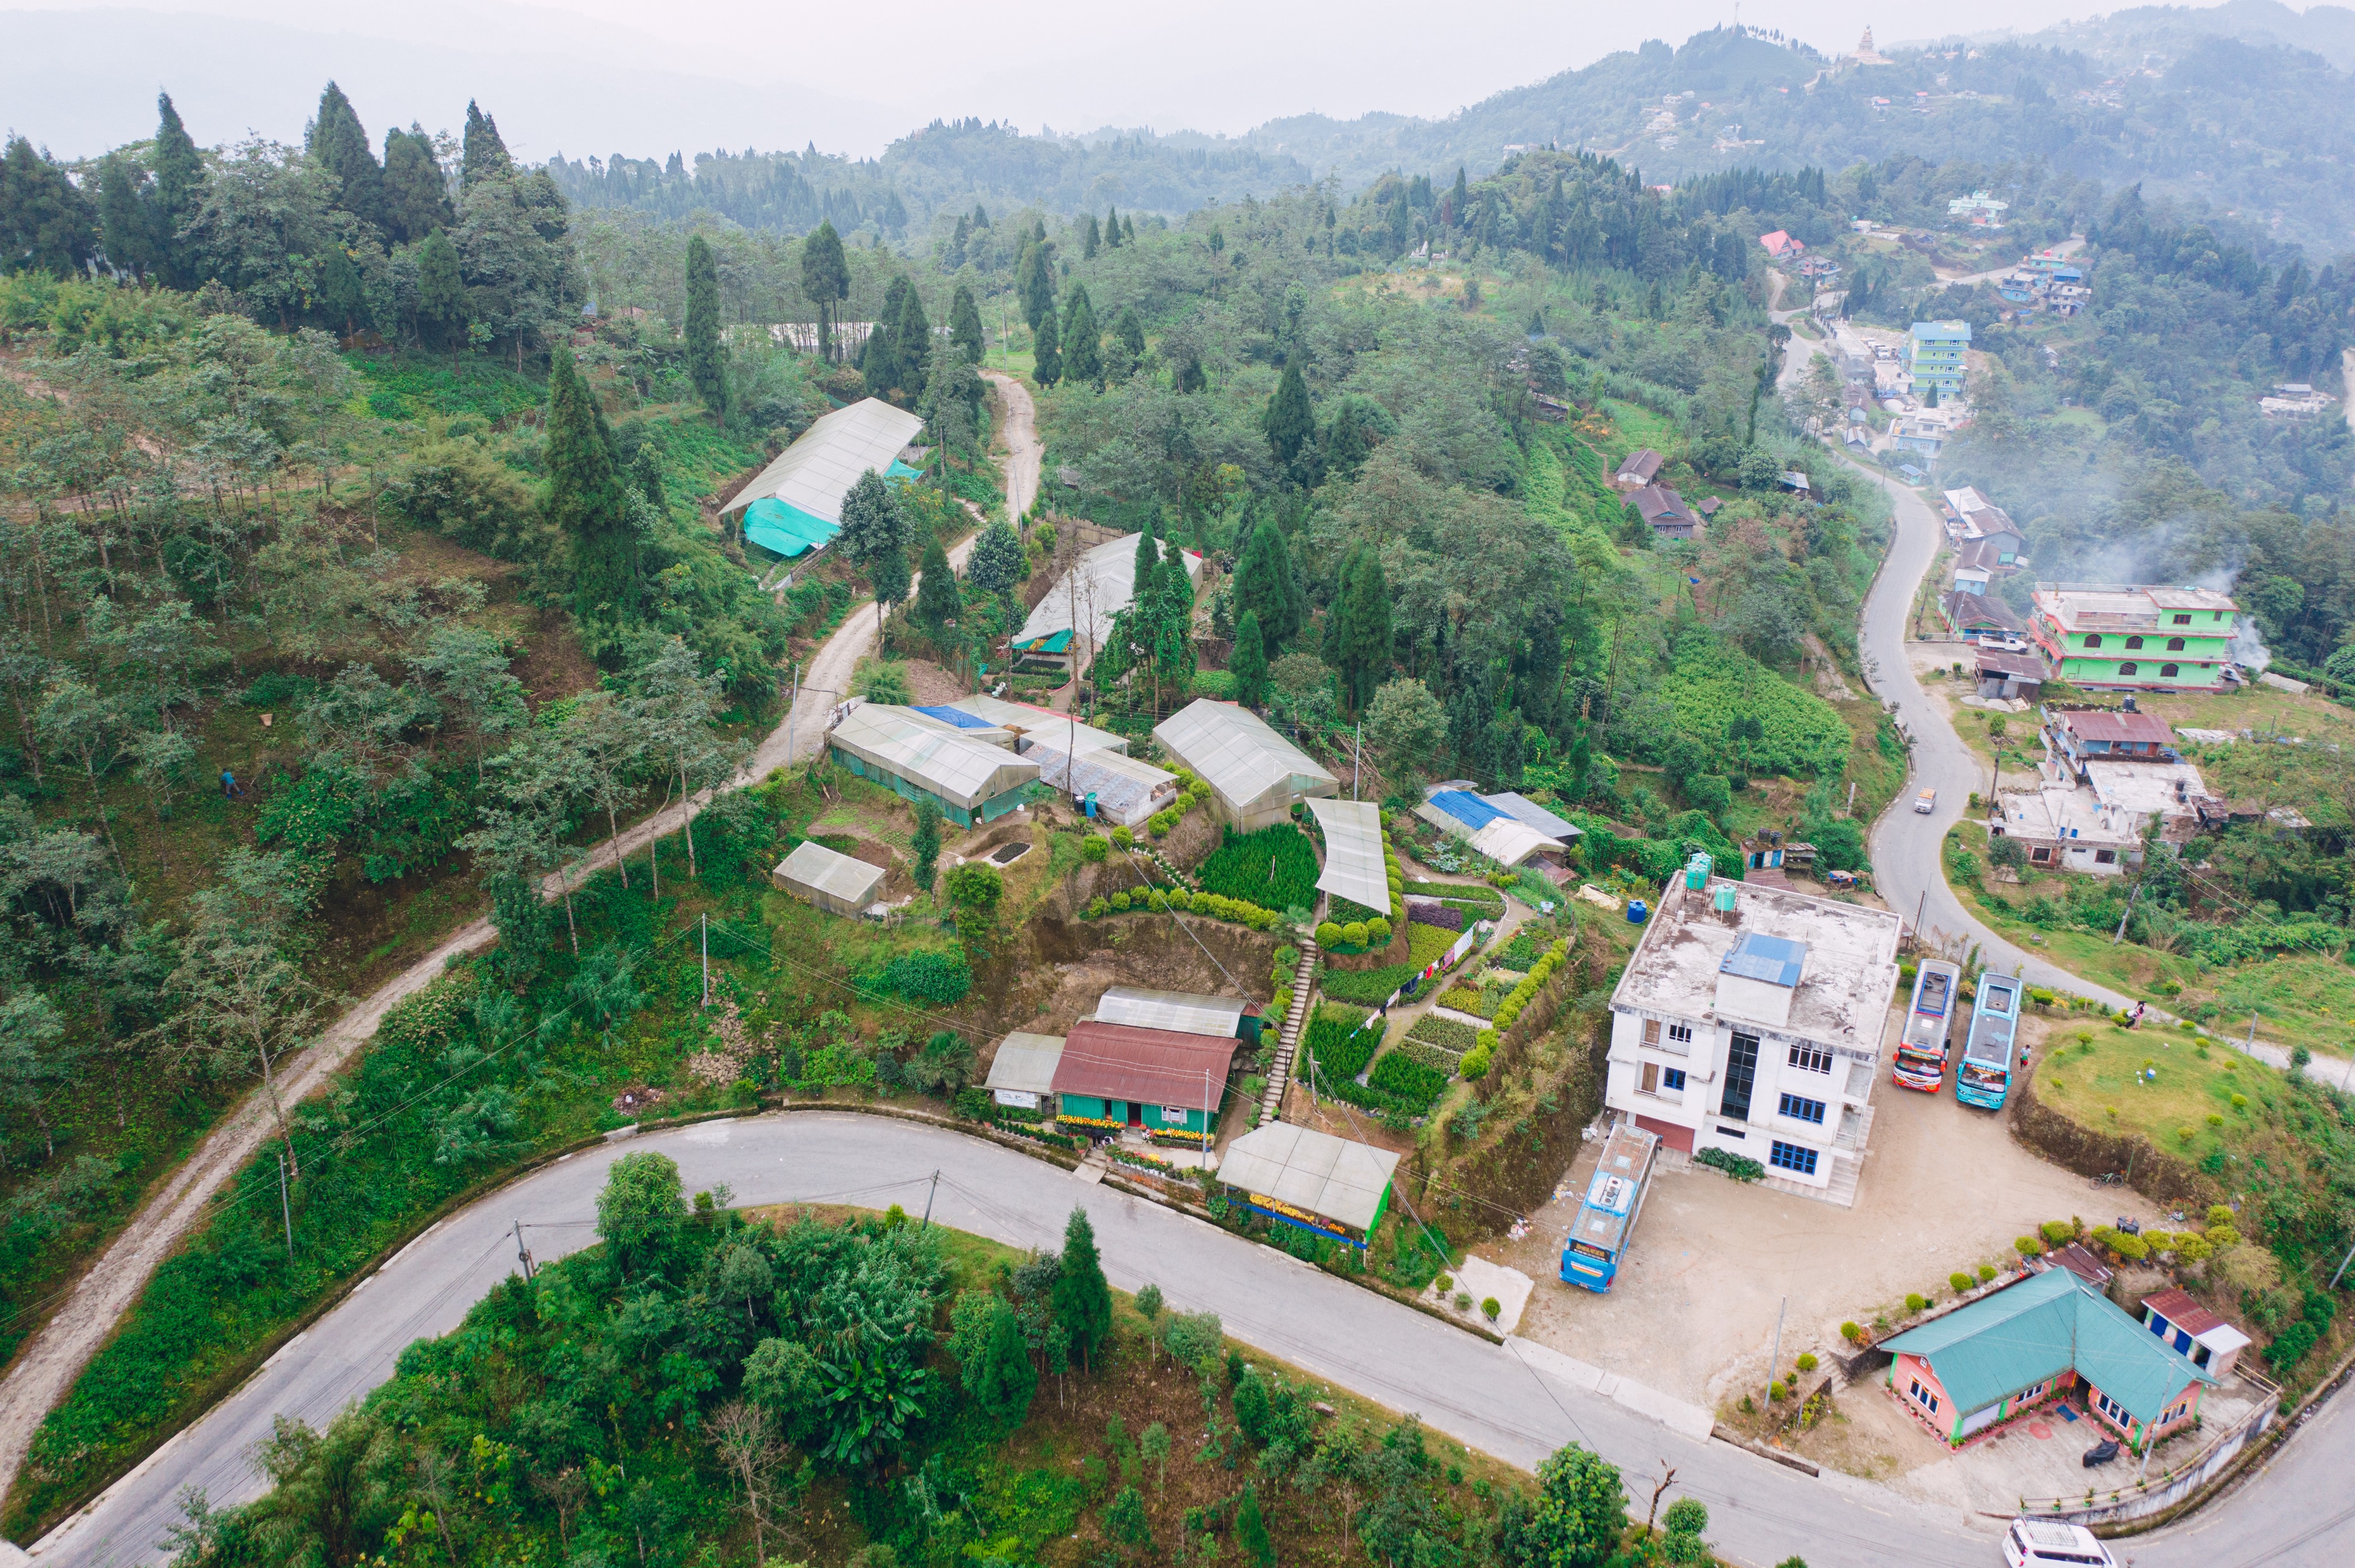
(230, 790)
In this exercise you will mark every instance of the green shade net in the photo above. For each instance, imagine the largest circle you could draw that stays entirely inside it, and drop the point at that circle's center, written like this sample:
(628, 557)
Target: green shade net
(787, 530)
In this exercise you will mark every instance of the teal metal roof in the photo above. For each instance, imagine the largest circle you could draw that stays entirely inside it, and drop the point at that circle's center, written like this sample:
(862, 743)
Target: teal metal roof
(2049, 1323)
(785, 528)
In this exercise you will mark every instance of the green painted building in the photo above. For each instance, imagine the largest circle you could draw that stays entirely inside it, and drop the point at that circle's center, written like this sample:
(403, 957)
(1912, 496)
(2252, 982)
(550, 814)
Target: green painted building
(1935, 351)
(2106, 636)
(1162, 1082)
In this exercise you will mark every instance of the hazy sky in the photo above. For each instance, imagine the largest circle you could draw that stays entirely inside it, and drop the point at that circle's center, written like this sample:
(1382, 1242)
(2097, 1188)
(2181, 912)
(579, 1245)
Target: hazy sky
(599, 76)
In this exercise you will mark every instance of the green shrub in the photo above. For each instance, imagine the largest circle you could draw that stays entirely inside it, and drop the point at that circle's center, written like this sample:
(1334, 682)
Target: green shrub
(1092, 850)
(1097, 907)
(1741, 1166)
(941, 977)
(2058, 1232)
(1474, 1066)
(1807, 1363)
(1959, 1282)
(1328, 935)
(1274, 868)
(1354, 934)
(1122, 839)
(1917, 1303)
(1986, 1273)
(1410, 1082)
(2029, 1246)
(1445, 1034)
(1120, 900)
(1341, 1048)
(1852, 1332)
(1378, 932)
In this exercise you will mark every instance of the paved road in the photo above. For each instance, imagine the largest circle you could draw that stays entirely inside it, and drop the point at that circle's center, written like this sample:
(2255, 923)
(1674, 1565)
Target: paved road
(1478, 1392)
(46, 1364)
(2068, 247)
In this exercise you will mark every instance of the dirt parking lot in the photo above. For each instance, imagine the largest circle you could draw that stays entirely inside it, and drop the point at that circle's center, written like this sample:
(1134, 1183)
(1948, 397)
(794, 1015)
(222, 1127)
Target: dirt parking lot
(1692, 1313)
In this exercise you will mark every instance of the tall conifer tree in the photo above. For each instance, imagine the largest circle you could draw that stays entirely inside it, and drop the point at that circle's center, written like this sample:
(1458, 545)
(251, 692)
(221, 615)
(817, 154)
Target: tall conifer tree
(1247, 663)
(339, 145)
(826, 278)
(706, 359)
(123, 217)
(1082, 342)
(1088, 239)
(483, 155)
(912, 335)
(1047, 353)
(179, 189)
(585, 500)
(416, 195)
(1082, 1297)
(1112, 226)
(964, 326)
(1290, 424)
(1357, 633)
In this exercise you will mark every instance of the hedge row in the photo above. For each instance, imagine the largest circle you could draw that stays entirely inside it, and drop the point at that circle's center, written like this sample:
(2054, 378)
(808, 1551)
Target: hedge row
(1212, 905)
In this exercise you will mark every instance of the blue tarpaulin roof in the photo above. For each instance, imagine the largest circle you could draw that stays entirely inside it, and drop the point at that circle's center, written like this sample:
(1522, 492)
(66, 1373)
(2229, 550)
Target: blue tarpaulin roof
(785, 528)
(958, 717)
(1466, 808)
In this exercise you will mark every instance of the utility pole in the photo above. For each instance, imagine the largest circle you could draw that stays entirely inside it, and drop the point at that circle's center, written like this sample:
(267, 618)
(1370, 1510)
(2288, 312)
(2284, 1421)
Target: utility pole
(2116, 936)
(928, 1201)
(523, 1253)
(1357, 745)
(1774, 1360)
(285, 1209)
(794, 702)
(707, 960)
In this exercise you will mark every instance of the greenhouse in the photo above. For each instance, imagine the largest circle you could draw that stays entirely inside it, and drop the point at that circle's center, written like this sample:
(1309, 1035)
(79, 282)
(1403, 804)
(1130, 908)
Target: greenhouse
(971, 781)
(1487, 828)
(832, 882)
(1313, 1179)
(1127, 791)
(1354, 867)
(795, 505)
(1182, 1012)
(1033, 725)
(1255, 776)
(1085, 598)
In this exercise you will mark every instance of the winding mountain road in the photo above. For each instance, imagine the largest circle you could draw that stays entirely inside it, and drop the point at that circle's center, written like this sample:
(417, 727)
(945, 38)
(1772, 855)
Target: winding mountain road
(46, 1366)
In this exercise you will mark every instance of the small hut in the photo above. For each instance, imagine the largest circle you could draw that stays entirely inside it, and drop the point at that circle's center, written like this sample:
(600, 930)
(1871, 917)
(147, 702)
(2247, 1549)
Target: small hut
(835, 882)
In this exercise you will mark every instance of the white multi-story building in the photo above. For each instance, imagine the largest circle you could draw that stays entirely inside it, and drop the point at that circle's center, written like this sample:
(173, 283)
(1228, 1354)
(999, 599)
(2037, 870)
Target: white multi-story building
(1750, 1020)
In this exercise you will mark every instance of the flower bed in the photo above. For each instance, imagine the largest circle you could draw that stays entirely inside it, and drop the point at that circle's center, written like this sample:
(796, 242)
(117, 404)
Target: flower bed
(1472, 895)
(1443, 916)
(1465, 998)
(1429, 1055)
(1373, 987)
(1445, 1034)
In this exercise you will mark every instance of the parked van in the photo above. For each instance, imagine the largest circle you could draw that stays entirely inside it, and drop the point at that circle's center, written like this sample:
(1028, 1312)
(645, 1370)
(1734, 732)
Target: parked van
(2030, 1542)
(1926, 802)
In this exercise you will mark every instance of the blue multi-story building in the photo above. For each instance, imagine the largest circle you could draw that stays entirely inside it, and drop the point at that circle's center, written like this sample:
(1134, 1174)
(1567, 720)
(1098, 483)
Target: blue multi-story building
(1937, 351)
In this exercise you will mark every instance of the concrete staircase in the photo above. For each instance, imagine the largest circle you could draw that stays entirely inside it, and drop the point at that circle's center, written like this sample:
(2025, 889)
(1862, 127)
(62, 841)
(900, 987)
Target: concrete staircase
(1287, 1040)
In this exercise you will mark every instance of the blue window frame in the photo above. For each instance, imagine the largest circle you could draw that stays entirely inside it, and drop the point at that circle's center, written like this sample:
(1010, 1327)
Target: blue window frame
(1805, 1109)
(1792, 1157)
(1672, 1078)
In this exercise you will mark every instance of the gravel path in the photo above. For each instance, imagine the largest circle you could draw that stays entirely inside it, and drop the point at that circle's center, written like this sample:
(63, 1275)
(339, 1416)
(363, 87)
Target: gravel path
(47, 1363)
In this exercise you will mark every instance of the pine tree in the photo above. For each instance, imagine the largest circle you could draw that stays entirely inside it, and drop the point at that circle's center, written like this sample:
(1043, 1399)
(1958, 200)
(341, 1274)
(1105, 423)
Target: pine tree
(1046, 352)
(1247, 663)
(1131, 332)
(1459, 200)
(875, 537)
(416, 196)
(880, 356)
(937, 600)
(1034, 282)
(123, 217)
(1001, 1378)
(1112, 226)
(925, 845)
(1128, 230)
(1357, 633)
(826, 278)
(1251, 1530)
(1265, 586)
(339, 145)
(179, 190)
(586, 502)
(1082, 1296)
(340, 297)
(911, 338)
(887, 574)
(1083, 341)
(483, 155)
(441, 292)
(1088, 239)
(964, 326)
(1291, 425)
(706, 359)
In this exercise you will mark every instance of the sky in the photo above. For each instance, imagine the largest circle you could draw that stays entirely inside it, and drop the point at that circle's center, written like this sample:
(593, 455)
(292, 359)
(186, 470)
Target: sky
(595, 77)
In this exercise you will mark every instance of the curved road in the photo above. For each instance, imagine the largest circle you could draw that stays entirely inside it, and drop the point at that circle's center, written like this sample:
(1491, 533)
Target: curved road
(1494, 1398)
(46, 1366)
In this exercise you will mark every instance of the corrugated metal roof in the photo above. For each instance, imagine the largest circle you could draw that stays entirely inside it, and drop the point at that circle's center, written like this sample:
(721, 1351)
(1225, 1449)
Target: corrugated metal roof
(2094, 724)
(1025, 1064)
(1326, 1175)
(1466, 807)
(1354, 867)
(2051, 1322)
(814, 866)
(931, 754)
(1509, 842)
(1148, 1067)
(956, 717)
(1179, 1011)
(1238, 755)
(1530, 814)
(1117, 782)
(1778, 960)
(816, 472)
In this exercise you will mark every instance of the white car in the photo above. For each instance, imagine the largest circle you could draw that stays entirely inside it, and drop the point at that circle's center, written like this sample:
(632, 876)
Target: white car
(2032, 1541)
(1926, 802)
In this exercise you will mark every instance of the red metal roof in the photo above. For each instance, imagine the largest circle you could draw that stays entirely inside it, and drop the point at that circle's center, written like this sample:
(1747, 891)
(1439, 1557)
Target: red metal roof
(2186, 1314)
(2082, 1263)
(1150, 1066)
(2098, 724)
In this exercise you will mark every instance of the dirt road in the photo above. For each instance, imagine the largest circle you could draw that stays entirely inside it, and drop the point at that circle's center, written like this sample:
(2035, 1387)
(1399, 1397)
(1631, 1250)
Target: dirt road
(51, 1359)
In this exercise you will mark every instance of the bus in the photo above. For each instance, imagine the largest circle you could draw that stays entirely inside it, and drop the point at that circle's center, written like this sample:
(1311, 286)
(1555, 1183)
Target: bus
(1599, 1234)
(1984, 1076)
(1921, 1054)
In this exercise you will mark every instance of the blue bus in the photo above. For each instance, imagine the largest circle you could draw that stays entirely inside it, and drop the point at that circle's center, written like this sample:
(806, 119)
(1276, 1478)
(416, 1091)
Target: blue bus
(1598, 1235)
(1983, 1077)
